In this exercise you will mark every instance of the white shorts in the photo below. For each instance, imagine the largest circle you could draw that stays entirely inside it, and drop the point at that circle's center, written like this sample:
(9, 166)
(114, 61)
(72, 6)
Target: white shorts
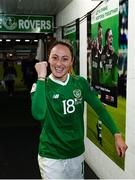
(61, 169)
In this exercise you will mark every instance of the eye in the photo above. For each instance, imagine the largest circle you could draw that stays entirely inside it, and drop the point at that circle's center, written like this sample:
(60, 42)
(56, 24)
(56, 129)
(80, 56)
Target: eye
(65, 59)
(54, 58)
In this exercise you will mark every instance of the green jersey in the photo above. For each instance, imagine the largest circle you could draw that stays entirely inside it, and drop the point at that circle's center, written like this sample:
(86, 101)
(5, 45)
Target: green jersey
(95, 70)
(96, 65)
(109, 72)
(60, 107)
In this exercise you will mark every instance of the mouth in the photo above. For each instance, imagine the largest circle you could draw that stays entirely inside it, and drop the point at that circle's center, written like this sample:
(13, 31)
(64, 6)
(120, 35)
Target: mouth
(59, 70)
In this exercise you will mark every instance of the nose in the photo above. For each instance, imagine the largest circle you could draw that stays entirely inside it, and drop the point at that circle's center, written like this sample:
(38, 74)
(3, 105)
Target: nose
(59, 62)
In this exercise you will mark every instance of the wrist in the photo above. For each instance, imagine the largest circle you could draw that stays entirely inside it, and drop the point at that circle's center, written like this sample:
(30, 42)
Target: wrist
(41, 78)
(117, 135)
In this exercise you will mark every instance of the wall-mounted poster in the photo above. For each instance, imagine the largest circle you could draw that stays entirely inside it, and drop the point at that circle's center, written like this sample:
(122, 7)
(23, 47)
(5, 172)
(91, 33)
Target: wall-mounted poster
(71, 35)
(106, 71)
(105, 36)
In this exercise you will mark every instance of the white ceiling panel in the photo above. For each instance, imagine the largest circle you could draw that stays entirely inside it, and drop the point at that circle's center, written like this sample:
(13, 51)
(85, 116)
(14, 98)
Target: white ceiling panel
(34, 7)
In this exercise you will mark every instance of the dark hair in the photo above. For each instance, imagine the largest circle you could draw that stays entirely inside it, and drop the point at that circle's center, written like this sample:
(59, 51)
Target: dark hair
(66, 44)
(99, 25)
(106, 34)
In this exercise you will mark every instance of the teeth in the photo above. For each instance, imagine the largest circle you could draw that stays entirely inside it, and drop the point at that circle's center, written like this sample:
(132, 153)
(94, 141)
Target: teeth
(58, 69)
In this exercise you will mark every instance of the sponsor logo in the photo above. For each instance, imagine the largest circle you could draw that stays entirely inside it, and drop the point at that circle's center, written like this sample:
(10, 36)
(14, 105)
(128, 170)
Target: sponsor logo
(55, 96)
(109, 98)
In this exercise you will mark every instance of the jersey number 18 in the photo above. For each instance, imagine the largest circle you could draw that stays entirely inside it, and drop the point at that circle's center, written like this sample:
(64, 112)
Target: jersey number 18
(68, 106)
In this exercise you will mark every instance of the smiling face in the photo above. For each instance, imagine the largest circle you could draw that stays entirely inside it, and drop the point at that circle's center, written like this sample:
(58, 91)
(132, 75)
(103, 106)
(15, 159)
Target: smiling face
(109, 38)
(60, 60)
(100, 35)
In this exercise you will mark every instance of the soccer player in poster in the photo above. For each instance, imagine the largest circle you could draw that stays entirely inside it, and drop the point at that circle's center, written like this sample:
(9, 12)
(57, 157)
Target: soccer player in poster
(109, 59)
(100, 39)
(58, 102)
(96, 56)
(99, 131)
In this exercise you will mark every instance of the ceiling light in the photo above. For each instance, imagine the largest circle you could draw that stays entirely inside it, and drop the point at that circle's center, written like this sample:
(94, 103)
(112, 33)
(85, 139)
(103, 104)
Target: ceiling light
(27, 40)
(0, 40)
(8, 40)
(17, 40)
(35, 40)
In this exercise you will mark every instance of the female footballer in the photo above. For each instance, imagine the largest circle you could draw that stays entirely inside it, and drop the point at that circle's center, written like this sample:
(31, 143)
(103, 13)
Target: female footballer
(58, 102)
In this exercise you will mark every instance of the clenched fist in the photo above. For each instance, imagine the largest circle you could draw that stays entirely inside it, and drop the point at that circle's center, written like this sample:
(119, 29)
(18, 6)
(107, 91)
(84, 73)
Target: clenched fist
(41, 69)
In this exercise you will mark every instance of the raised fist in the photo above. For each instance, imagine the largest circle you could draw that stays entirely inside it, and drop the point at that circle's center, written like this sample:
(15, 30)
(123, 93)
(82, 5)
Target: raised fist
(41, 68)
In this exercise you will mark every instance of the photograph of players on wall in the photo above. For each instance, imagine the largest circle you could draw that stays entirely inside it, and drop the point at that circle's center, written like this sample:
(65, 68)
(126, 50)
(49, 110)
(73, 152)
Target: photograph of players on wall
(104, 65)
(107, 45)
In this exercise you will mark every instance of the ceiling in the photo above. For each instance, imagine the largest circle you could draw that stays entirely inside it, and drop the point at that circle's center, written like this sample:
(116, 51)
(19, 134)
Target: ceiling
(30, 7)
(27, 7)
(35, 7)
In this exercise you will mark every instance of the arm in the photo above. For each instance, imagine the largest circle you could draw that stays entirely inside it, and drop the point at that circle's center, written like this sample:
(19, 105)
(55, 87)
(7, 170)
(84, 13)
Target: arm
(38, 104)
(92, 99)
(38, 97)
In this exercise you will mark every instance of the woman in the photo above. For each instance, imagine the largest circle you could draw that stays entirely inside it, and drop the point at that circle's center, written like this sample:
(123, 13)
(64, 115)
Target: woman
(58, 101)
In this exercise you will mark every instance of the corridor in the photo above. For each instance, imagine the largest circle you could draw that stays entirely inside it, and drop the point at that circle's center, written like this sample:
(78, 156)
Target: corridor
(19, 134)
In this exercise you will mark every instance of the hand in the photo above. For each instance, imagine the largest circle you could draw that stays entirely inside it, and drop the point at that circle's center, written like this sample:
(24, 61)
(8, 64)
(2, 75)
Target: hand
(121, 147)
(41, 69)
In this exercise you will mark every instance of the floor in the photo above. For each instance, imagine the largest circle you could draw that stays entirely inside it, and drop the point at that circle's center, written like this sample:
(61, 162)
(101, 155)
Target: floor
(19, 134)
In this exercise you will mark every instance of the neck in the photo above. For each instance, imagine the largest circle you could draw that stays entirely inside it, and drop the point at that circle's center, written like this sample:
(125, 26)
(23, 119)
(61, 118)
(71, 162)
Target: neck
(62, 79)
(59, 81)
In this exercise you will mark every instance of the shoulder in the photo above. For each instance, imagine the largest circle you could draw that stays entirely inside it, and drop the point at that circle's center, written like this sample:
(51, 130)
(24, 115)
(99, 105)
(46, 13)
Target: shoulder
(77, 78)
(79, 81)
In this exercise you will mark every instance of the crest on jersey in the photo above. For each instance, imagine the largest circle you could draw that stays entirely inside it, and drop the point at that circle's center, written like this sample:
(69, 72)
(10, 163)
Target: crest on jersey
(77, 93)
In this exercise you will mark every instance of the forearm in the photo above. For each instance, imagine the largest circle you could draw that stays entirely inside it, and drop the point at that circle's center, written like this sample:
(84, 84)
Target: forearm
(39, 105)
(90, 96)
(103, 114)
(108, 121)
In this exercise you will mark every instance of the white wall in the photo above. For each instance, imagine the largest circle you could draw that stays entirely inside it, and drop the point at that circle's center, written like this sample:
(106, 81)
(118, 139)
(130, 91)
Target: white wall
(130, 123)
(76, 9)
(98, 161)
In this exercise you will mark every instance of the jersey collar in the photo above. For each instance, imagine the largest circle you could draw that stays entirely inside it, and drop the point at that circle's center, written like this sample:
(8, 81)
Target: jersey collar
(58, 81)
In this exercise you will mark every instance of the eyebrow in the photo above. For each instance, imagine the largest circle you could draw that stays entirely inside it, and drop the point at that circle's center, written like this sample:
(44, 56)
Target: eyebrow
(58, 55)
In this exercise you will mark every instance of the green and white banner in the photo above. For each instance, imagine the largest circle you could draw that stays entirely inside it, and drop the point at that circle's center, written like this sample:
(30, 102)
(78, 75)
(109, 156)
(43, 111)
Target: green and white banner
(104, 12)
(71, 35)
(27, 23)
(69, 30)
